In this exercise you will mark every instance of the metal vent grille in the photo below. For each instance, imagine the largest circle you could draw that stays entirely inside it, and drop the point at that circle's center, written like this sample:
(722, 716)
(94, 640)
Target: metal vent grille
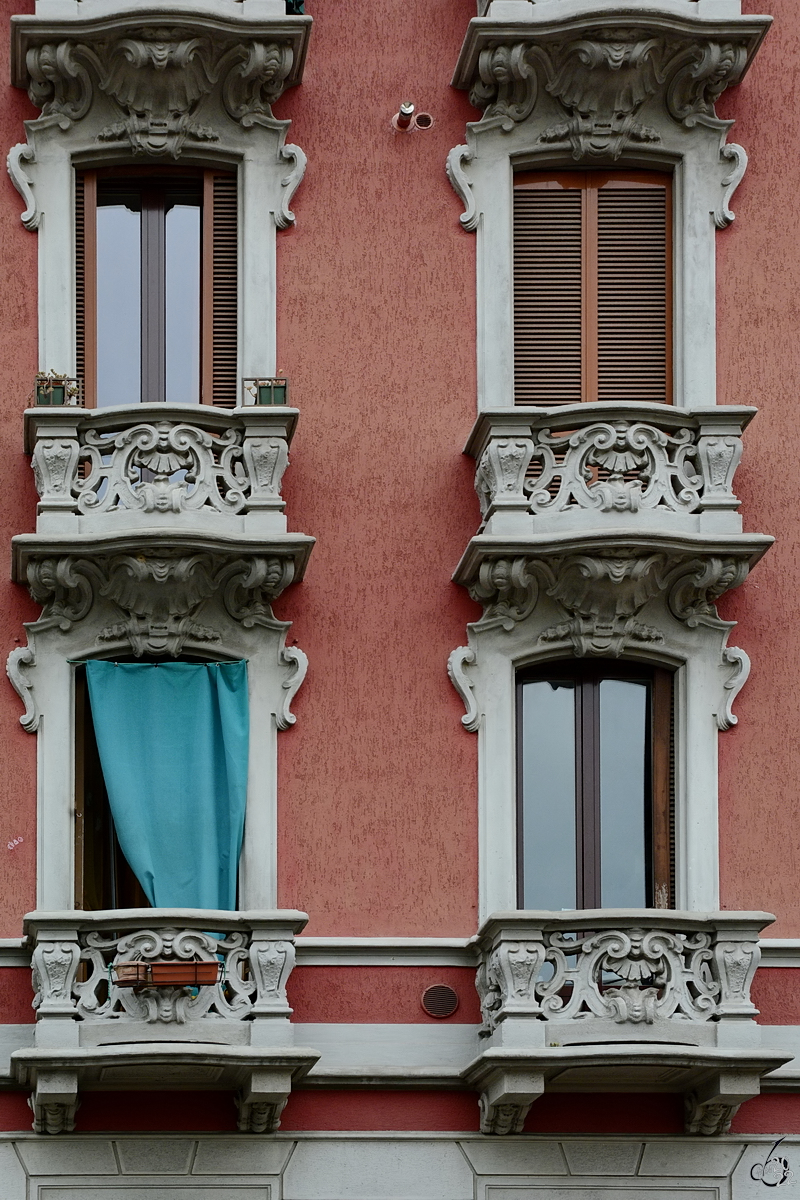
(440, 1000)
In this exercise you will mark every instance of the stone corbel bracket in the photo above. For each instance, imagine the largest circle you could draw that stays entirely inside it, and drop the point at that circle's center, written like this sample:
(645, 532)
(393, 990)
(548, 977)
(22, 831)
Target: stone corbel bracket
(600, 72)
(161, 87)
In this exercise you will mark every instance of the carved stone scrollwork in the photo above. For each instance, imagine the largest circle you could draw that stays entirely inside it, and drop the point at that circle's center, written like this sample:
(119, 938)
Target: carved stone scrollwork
(159, 595)
(708, 1119)
(158, 77)
(733, 685)
(507, 590)
(507, 86)
(501, 1119)
(55, 965)
(271, 964)
(54, 1103)
(263, 1117)
(602, 594)
(602, 79)
(256, 81)
(562, 970)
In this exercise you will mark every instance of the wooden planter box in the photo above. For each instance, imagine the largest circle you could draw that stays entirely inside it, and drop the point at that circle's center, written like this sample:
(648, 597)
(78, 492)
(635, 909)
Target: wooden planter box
(170, 973)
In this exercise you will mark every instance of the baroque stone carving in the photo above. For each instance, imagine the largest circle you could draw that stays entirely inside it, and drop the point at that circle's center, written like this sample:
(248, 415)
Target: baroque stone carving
(158, 77)
(20, 658)
(707, 1119)
(602, 79)
(610, 467)
(263, 1117)
(254, 968)
(740, 661)
(502, 1118)
(602, 593)
(159, 595)
(457, 663)
(160, 466)
(631, 975)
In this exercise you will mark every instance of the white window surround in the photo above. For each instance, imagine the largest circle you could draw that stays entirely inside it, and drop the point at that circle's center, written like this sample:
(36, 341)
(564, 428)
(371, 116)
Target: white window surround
(92, 69)
(563, 90)
(165, 573)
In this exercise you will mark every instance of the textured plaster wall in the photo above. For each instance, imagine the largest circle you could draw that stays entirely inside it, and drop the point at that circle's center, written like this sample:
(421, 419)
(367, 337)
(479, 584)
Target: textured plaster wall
(376, 332)
(18, 361)
(759, 363)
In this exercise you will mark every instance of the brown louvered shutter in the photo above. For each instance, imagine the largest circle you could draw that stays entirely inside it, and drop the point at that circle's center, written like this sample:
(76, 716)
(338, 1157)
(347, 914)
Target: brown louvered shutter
(592, 287)
(86, 283)
(548, 304)
(220, 289)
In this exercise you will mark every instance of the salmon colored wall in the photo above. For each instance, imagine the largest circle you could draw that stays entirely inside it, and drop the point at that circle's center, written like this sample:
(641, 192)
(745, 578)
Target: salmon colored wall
(18, 363)
(758, 296)
(379, 995)
(376, 331)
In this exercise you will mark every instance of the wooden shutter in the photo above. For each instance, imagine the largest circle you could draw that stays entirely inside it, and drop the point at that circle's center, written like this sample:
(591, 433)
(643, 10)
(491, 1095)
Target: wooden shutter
(548, 251)
(220, 289)
(592, 287)
(86, 284)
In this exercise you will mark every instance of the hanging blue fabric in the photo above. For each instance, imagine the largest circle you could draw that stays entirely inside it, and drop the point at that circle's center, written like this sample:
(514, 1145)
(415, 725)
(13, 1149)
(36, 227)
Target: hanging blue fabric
(173, 741)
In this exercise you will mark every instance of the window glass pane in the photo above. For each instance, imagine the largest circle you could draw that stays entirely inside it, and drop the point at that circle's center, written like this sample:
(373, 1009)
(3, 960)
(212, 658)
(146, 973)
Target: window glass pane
(183, 304)
(623, 792)
(118, 305)
(548, 794)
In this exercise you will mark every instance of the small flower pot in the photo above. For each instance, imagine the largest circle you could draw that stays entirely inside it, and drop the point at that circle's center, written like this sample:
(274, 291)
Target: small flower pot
(271, 391)
(51, 392)
(170, 973)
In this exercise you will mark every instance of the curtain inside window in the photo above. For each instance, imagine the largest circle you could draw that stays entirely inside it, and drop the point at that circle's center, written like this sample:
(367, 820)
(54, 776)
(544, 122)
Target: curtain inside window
(173, 742)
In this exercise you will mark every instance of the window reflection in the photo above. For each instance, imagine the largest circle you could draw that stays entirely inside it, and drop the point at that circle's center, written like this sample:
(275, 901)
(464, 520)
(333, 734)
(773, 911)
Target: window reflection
(585, 808)
(118, 305)
(149, 233)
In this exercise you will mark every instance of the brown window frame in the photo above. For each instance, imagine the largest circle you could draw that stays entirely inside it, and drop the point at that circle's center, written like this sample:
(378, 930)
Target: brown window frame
(590, 182)
(659, 752)
(219, 383)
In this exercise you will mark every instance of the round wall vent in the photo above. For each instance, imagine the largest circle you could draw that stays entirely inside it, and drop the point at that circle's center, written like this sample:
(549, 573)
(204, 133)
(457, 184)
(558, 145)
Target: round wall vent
(439, 1000)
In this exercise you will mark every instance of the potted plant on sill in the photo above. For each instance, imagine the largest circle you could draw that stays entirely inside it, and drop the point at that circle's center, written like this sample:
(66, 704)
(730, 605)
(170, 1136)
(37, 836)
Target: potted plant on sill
(53, 388)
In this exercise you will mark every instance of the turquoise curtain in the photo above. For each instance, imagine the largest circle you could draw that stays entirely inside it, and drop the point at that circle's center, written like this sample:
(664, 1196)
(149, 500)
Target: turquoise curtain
(173, 742)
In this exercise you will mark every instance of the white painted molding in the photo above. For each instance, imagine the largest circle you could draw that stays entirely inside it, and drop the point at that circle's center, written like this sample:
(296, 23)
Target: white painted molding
(780, 952)
(92, 69)
(385, 952)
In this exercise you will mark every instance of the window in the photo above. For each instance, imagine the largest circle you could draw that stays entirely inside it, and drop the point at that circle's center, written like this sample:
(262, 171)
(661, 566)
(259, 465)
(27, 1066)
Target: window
(592, 287)
(156, 287)
(595, 809)
(103, 878)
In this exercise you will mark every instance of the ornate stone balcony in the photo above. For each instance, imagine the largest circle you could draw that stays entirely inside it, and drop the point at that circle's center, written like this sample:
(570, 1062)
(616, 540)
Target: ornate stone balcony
(604, 507)
(159, 509)
(93, 1031)
(619, 1000)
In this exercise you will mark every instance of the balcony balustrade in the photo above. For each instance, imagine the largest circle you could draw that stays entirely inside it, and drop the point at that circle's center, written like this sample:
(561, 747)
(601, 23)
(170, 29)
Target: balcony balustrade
(113, 469)
(588, 466)
(619, 1000)
(96, 1027)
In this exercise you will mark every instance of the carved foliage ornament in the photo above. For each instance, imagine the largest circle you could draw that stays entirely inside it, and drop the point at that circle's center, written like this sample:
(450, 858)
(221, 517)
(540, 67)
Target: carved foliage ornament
(157, 77)
(601, 80)
(602, 593)
(159, 596)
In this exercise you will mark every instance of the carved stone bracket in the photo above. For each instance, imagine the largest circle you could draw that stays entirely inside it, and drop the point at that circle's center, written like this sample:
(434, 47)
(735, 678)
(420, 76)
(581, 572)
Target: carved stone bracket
(160, 594)
(157, 74)
(602, 592)
(602, 76)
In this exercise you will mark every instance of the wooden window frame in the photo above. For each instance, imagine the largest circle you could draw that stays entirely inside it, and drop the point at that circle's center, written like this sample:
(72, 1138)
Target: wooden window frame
(153, 343)
(659, 756)
(590, 182)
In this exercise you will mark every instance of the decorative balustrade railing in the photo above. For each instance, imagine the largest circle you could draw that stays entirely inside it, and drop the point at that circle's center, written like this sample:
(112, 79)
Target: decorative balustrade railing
(591, 462)
(157, 459)
(618, 969)
(79, 957)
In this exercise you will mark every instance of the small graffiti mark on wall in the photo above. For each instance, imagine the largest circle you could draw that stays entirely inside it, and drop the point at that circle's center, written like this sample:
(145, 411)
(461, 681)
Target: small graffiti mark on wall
(17, 841)
(774, 1170)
